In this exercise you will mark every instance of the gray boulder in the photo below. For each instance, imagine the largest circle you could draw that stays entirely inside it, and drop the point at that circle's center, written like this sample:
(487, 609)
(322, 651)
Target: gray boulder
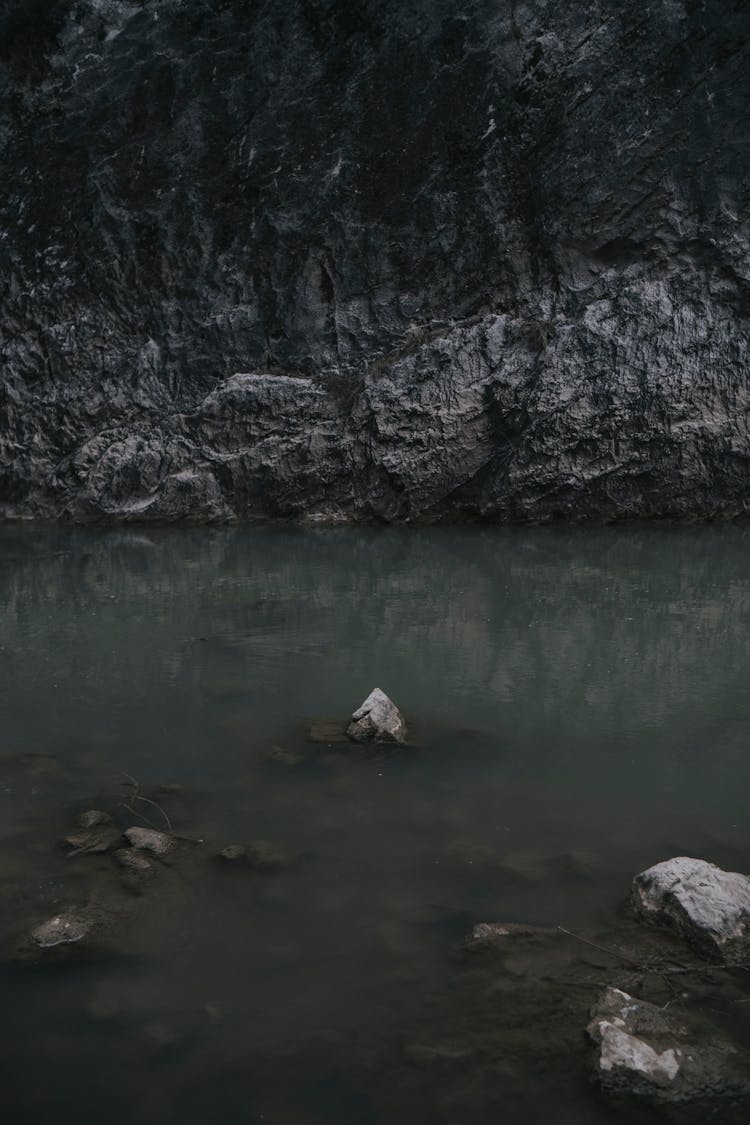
(709, 907)
(377, 720)
(643, 1051)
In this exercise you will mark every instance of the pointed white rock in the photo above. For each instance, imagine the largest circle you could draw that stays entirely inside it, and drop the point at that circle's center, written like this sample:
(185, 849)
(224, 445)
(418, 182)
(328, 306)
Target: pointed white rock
(377, 720)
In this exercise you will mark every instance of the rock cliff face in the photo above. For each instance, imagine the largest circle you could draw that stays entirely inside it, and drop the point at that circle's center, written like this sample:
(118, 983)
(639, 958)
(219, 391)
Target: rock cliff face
(422, 260)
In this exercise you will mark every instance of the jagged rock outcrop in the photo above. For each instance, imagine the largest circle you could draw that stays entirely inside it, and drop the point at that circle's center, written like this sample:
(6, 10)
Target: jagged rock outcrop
(486, 261)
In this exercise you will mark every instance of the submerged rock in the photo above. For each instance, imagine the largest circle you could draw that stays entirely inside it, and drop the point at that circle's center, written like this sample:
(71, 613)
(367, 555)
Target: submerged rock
(327, 730)
(232, 853)
(282, 757)
(138, 868)
(261, 855)
(709, 907)
(490, 937)
(438, 1058)
(158, 843)
(266, 856)
(537, 866)
(643, 1051)
(63, 929)
(93, 818)
(377, 720)
(95, 832)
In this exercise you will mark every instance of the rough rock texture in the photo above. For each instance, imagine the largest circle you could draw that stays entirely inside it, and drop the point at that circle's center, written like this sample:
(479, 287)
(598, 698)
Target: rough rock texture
(377, 720)
(643, 1051)
(494, 937)
(486, 260)
(91, 841)
(63, 929)
(708, 906)
(150, 840)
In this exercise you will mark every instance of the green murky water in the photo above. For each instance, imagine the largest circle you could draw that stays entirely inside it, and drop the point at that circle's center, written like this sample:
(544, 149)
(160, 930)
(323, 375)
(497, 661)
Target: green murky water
(579, 710)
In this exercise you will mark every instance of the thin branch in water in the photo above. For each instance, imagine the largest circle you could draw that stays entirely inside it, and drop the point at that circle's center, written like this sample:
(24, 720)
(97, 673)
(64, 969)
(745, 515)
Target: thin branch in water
(133, 782)
(140, 816)
(136, 796)
(602, 949)
(167, 821)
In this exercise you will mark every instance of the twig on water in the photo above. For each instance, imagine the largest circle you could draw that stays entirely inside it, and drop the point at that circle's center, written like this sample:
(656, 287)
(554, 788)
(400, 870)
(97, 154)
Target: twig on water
(136, 796)
(134, 812)
(602, 948)
(655, 968)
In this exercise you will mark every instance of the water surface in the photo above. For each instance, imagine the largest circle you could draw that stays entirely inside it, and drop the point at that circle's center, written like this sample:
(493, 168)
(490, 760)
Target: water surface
(579, 710)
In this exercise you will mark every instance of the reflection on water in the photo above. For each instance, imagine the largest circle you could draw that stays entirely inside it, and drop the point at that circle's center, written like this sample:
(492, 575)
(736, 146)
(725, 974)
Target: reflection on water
(579, 708)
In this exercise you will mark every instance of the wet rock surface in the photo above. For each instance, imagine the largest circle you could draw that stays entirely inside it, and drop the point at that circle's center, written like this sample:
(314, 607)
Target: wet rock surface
(708, 906)
(506, 278)
(94, 832)
(159, 844)
(492, 937)
(138, 868)
(644, 1051)
(378, 719)
(75, 930)
(62, 929)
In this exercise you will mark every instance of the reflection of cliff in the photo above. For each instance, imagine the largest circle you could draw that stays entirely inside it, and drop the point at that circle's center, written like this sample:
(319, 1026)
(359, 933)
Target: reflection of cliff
(604, 631)
(487, 260)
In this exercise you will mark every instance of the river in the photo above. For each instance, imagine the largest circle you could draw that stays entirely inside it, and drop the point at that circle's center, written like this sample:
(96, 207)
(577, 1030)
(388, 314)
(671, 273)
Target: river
(578, 710)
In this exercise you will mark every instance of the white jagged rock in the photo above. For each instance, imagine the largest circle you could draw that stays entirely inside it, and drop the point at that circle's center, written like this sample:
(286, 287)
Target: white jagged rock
(709, 907)
(377, 720)
(640, 1050)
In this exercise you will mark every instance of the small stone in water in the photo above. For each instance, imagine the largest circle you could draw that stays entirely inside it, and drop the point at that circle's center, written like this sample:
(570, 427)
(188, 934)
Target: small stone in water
(150, 840)
(100, 837)
(139, 868)
(283, 757)
(266, 856)
(134, 860)
(93, 818)
(63, 929)
(488, 937)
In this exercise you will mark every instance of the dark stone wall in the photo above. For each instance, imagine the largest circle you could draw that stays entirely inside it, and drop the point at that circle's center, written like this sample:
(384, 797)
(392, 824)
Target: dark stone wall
(485, 261)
